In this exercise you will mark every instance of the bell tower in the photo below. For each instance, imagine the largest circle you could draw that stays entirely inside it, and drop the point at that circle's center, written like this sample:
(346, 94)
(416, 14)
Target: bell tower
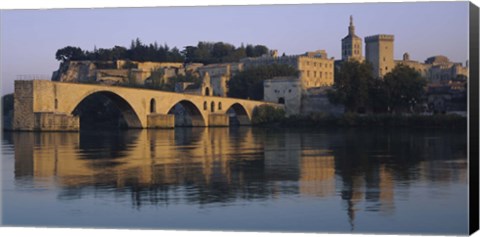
(352, 44)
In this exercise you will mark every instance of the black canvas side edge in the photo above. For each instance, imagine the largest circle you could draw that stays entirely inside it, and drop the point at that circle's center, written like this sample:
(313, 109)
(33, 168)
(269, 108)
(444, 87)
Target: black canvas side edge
(473, 120)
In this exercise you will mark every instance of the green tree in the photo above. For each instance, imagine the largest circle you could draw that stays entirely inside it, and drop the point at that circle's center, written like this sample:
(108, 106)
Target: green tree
(260, 50)
(119, 52)
(249, 83)
(404, 87)
(220, 52)
(69, 53)
(351, 87)
(377, 96)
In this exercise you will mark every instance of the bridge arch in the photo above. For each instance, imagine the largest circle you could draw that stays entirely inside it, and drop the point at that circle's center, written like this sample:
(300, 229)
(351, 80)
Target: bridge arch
(196, 117)
(50, 106)
(238, 115)
(128, 112)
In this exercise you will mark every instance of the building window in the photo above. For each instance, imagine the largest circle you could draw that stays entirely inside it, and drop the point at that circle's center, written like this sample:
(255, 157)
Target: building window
(308, 73)
(289, 90)
(205, 105)
(315, 74)
(153, 106)
(56, 104)
(219, 105)
(281, 100)
(212, 106)
(320, 74)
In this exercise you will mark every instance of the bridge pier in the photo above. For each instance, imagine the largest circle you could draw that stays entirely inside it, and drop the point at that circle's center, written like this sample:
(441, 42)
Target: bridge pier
(48, 121)
(160, 121)
(218, 120)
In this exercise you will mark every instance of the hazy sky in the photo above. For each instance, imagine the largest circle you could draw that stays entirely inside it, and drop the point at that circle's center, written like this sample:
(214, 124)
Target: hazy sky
(30, 38)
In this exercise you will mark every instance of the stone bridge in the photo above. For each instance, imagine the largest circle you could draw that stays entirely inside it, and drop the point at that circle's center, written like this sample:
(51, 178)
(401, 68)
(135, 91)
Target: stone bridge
(42, 105)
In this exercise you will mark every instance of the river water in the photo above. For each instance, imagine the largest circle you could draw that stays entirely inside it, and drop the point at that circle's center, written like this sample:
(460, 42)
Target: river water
(247, 179)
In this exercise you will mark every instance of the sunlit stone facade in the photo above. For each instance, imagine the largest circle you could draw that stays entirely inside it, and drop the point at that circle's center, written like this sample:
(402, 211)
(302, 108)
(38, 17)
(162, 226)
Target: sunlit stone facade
(316, 69)
(379, 52)
(284, 90)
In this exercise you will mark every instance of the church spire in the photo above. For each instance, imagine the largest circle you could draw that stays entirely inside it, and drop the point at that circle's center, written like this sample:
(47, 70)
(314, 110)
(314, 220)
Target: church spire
(351, 28)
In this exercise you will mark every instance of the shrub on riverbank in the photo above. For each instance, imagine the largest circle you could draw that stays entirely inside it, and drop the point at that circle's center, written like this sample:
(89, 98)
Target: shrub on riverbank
(266, 114)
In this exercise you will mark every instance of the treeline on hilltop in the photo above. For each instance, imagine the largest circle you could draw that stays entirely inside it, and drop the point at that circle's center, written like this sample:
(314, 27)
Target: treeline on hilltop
(203, 52)
(219, 52)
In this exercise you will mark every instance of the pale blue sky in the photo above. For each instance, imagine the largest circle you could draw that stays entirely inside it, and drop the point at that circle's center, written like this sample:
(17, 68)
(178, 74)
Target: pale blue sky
(30, 38)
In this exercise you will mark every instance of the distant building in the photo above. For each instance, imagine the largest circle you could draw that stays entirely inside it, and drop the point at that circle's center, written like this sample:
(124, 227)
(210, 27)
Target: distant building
(315, 68)
(352, 45)
(379, 52)
(422, 68)
(447, 98)
(219, 75)
(205, 88)
(436, 69)
(298, 100)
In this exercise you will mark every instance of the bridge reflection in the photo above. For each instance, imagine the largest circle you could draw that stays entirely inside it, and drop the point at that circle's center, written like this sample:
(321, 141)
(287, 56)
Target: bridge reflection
(365, 170)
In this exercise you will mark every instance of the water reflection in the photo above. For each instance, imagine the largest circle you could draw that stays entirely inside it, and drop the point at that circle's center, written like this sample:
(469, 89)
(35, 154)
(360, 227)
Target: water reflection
(365, 170)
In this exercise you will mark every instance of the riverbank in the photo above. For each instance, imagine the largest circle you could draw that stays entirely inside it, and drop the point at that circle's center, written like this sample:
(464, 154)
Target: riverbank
(370, 120)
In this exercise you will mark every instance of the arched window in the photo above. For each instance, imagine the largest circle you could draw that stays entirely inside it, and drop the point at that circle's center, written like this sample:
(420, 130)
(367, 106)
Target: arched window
(56, 104)
(212, 106)
(205, 105)
(281, 100)
(219, 105)
(207, 91)
(153, 106)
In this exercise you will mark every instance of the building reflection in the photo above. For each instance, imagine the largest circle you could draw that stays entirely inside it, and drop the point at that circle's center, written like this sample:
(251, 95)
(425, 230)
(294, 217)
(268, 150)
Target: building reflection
(364, 169)
(317, 175)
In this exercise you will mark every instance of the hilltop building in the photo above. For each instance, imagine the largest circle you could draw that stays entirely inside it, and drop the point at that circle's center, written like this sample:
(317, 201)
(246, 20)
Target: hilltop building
(352, 45)
(315, 71)
(315, 68)
(437, 69)
(379, 52)
(119, 71)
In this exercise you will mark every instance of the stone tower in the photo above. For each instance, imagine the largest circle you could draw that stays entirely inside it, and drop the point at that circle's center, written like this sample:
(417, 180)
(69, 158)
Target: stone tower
(379, 52)
(351, 44)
